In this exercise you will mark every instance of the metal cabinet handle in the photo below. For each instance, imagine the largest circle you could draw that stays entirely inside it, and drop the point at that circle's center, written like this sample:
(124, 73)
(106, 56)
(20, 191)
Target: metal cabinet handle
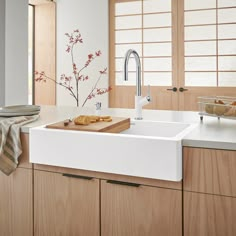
(182, 89)
(123, 183)
(77, 176)
(173, 89)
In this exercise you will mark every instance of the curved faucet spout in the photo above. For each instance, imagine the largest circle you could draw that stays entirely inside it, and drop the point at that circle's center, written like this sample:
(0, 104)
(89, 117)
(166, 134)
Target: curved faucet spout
(138, 69)
(139, 100)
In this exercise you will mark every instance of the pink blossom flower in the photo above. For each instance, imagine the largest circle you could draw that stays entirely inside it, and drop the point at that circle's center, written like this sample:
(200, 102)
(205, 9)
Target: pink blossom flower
(90, 56)
(68, 48)
(85, 78)
(74, 69)
(98, 53)
(87, 63)
(103, 71)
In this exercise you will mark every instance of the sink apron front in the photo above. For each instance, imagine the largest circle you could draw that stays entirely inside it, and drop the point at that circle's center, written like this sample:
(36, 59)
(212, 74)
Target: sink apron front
(141, 156)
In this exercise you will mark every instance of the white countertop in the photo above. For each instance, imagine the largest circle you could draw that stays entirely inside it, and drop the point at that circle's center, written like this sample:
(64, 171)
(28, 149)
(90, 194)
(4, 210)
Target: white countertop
(211, 133)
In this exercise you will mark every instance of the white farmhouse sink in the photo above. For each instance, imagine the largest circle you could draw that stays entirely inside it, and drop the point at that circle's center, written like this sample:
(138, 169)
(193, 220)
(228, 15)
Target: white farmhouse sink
(156, 129)
(148, 149)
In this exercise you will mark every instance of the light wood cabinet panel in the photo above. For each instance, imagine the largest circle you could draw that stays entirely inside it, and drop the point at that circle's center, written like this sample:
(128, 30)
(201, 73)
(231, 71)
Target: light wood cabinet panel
(24, 157)
(16, 209)
(209, 215)
(140, 211)
(101, 175)
(66, 206)
(210, 171)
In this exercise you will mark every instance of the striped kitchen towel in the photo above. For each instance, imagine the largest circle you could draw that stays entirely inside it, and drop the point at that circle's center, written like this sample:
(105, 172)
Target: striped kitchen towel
(10, 143)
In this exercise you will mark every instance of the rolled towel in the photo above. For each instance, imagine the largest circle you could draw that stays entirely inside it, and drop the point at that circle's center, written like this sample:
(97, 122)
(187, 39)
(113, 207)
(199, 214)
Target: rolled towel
(10, 143)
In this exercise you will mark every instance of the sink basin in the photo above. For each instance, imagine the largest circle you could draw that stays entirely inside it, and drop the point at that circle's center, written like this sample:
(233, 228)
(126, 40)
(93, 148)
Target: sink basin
(148, 149)
(156, 129)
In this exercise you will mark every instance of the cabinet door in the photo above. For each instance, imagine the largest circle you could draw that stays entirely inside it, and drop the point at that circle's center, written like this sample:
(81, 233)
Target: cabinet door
(209, 215)
(16, 210)
(65, 205)
(139, 210)
(210, 171)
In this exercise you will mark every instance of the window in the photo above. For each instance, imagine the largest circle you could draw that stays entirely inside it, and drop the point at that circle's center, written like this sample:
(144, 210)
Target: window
(187, 44)
(210, 43)
(145, 26)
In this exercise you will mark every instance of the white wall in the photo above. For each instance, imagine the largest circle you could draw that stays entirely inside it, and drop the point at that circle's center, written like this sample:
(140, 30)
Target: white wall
(2, 53)
(16, 52)
(91, 18)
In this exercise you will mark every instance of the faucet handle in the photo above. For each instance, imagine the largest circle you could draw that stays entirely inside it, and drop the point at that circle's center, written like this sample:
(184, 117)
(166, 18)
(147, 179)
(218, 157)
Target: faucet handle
(98, 105)
(149, 93)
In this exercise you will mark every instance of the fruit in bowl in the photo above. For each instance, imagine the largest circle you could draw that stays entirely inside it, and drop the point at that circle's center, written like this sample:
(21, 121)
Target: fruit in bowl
(220, 108)
(232, 110)
(209, 108)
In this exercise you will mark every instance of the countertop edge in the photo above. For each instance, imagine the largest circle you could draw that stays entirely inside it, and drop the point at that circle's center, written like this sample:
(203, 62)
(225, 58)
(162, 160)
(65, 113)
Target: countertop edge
(209, 144)
(211, 133)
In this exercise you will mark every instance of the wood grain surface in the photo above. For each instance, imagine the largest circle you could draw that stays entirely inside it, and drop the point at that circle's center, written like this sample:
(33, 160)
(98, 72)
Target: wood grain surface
(65, 206)
(45, 52)
(210, 171)
(140, 211)
(209, 215)
(101, 175)
(16, 203)
(117, 125)
(23, 159)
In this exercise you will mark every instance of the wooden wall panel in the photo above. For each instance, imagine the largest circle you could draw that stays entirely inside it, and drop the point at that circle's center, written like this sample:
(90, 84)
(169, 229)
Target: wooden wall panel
(45, 52)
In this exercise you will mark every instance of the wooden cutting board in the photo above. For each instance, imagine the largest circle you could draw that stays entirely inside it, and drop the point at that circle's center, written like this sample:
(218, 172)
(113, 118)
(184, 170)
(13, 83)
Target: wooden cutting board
(117, 125)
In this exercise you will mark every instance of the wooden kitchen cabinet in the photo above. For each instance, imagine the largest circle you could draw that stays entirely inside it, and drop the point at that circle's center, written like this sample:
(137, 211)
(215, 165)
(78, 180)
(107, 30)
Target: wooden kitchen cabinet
(23, 159)
(209, 215)
(65, 205)
(16, 203)
(210, 171)
(138, 210)
(209, 185)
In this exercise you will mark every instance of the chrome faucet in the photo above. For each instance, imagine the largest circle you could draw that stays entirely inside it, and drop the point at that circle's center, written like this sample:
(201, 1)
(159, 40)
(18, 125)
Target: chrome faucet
(139, 100)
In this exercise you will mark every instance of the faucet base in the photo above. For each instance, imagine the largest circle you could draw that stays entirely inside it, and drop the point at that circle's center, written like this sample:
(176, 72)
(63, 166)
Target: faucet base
(139, 103)
(138, 108)
(138, 118)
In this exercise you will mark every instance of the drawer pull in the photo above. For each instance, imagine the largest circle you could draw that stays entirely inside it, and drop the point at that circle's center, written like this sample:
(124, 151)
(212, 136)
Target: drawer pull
(78, 176)
(123, 183)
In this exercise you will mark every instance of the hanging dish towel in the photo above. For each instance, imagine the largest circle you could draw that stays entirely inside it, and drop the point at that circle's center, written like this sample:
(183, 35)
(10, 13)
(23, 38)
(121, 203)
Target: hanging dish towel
(10, 143)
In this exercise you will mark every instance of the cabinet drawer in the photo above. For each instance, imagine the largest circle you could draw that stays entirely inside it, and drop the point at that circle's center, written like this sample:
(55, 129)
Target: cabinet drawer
(130, 209)
(65, 205)
(207, 215)
(210, 171)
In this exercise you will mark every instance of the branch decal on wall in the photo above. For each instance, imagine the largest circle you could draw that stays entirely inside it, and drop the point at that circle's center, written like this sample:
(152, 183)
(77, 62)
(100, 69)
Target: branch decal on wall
(73, 82)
